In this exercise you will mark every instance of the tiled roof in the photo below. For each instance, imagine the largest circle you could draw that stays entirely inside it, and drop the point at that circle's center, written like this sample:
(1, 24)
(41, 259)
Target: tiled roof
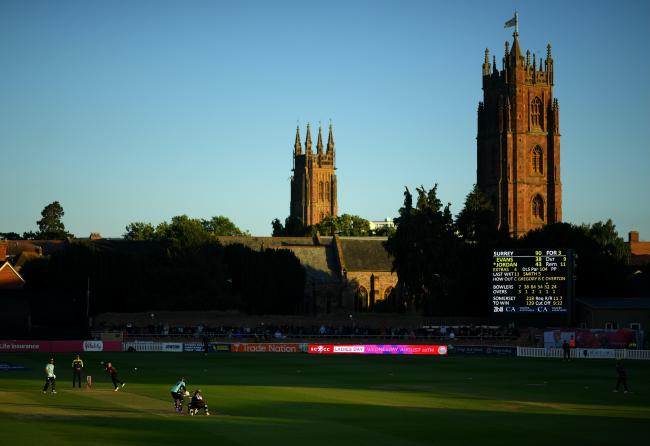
(319, 262)
(365, 254)
(257, 242)
(17, 247)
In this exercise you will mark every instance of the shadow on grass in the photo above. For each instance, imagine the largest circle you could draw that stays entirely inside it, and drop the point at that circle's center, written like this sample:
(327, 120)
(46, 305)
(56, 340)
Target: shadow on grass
(324, 424)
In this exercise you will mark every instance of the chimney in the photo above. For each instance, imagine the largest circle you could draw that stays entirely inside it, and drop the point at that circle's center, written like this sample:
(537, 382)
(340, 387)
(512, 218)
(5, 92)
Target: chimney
(633, 237)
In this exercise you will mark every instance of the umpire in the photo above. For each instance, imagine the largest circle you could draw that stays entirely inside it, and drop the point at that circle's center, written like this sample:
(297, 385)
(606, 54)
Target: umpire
(622, 377)
(77, 366)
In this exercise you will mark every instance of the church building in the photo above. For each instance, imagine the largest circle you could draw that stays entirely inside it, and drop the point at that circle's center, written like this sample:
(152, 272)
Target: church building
(518, 141)
(313, 183)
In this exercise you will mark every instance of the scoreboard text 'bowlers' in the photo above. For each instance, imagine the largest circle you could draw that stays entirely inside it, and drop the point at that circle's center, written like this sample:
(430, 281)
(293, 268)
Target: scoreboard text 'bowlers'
(531, 281)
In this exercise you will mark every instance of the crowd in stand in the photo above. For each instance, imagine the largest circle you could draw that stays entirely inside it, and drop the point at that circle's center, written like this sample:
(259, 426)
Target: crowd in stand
(271, 332)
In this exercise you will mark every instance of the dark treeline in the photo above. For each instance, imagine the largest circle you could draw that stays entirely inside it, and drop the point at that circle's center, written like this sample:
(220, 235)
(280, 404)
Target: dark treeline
(444, 264)
(131, 276)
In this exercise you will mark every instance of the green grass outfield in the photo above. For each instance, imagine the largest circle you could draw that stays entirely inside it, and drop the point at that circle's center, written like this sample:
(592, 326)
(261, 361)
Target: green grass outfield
(299, 399)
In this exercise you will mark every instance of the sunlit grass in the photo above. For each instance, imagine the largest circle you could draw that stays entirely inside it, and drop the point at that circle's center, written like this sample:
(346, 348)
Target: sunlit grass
(299, 399)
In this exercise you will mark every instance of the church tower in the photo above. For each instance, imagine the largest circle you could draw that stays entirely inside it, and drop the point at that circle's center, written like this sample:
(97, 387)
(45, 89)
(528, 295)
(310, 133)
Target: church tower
(313, 183)
(518, 142)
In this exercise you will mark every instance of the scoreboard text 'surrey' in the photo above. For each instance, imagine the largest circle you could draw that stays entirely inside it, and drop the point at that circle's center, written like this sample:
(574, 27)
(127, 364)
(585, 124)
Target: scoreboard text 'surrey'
(532, 281)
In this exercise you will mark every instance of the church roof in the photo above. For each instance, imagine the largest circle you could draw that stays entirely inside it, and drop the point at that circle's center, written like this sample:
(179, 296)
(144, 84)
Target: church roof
(319, 262)
(17, 247)
(365, 254)
(256, 243)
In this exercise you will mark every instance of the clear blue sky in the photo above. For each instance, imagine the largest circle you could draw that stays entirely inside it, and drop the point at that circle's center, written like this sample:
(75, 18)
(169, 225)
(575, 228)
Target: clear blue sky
(141, 110)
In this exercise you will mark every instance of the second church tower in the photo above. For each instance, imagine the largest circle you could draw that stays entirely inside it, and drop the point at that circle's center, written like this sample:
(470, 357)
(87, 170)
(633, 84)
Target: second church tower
(313, 183)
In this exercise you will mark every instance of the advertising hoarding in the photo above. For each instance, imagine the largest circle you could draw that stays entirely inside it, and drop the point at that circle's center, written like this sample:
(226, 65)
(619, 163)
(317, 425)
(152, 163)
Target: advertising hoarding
(60, 346)
(376, 349)
(265, 348)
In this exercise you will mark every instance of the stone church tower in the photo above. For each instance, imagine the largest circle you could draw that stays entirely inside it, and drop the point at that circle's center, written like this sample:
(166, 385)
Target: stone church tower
(313, 183)
(518, 142)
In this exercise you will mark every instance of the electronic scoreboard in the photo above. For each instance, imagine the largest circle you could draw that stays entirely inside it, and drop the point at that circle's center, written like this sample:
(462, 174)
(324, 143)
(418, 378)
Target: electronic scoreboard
(532, 281)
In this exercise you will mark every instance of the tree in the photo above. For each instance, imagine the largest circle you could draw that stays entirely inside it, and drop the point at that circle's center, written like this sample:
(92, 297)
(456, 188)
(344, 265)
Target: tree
(476, 222)
(30, 235)
(9, 236)
(293, 227)
(139, 231)
(353, 225)
(278, 228)
(221, 226)
(51, 226)
(611, 244)
(600, 272)
(425, 251)
(383, 231)
(345, 225)
(183, 236)
(476, 226)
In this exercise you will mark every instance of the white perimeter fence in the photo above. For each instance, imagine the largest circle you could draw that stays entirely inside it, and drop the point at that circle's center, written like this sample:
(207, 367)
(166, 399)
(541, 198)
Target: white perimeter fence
(584, 353)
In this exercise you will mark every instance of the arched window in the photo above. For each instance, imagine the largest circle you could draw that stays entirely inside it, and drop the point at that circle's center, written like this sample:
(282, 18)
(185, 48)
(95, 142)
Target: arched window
(537, 159)
(320, 191)
(536, 113)
(362, 295)
(327, 191)
(538, 208)
(387, 292)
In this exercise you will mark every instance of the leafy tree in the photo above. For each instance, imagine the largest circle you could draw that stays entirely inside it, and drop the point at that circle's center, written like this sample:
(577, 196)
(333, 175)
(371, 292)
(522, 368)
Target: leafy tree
(140, 231)
(30, 235)
(221, 226)
(345, 225)
(611, 244)
(599, 271)
(384, 231)
(292, 227)
(278, 228)
(51, 226)
(329, 225)
(183, 235)
(476, 222)
(9, 236)
(425, 249)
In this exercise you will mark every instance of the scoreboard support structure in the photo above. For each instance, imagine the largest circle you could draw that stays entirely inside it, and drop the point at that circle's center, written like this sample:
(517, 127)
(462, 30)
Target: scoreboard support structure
(533, 286)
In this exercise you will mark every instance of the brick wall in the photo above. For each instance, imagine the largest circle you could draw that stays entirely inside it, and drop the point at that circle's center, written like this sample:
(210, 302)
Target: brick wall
(382, 281)
(3, 250)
